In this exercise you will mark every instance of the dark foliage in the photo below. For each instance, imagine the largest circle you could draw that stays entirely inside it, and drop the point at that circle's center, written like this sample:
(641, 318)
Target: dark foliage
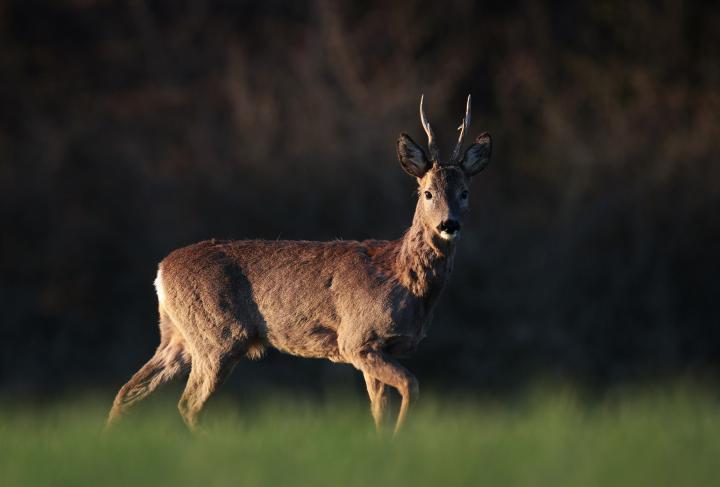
(128, 129)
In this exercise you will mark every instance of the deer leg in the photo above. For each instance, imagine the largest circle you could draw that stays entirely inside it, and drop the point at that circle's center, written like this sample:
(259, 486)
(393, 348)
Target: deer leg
(378, 399)
(388, 371)
(169, 360)
(205, 378)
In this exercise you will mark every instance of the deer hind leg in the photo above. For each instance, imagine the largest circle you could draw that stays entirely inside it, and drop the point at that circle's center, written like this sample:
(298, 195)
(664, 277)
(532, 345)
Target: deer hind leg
(378, 399)
(388, 371)
(206, 375)
(170, 360)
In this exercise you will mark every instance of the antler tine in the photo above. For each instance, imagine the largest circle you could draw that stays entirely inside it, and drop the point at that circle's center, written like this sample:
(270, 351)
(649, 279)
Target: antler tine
(462, 128)
(432, 145)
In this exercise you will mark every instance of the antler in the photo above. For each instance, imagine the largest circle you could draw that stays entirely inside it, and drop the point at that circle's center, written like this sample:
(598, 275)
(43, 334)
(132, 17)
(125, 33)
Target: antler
(432, 146)
(463, 126)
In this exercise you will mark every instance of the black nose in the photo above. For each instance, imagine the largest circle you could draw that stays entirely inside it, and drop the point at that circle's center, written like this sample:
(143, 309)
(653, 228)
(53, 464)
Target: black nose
(449, 226)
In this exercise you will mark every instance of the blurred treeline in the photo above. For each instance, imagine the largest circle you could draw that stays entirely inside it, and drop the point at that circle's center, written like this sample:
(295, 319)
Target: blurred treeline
(128, 129)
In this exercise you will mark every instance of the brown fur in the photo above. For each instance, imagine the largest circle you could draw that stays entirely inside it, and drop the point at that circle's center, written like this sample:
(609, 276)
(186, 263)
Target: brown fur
(363, 303)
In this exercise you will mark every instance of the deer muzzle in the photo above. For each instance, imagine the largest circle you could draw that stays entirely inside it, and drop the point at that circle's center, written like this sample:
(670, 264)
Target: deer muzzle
(449, 229)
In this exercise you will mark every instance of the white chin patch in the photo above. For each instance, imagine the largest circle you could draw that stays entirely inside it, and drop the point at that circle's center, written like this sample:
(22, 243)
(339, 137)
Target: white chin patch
(449, 236)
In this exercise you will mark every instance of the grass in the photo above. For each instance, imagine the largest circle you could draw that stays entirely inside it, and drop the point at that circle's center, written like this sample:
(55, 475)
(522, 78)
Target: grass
(551, 438)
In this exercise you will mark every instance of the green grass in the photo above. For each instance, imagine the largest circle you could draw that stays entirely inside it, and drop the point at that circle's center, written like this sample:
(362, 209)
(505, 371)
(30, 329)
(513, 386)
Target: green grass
(669, 438)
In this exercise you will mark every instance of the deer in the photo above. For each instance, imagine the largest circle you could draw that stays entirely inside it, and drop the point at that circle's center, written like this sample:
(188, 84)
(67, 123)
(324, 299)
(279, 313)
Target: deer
(364, 303)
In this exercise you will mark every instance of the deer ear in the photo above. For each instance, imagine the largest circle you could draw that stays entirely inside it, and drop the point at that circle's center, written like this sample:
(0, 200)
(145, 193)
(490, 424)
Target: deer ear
(477, 155)
(411, 156)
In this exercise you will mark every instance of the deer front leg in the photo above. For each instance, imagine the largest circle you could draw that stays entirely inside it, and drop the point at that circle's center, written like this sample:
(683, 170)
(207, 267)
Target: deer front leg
(386, 370)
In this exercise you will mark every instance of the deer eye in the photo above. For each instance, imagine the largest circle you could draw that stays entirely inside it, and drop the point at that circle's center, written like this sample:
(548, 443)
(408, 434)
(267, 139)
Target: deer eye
(428, 195)
(464, 195)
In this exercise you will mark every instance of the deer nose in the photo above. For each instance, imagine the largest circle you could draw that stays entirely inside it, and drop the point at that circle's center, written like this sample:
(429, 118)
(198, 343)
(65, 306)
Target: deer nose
(449, 226)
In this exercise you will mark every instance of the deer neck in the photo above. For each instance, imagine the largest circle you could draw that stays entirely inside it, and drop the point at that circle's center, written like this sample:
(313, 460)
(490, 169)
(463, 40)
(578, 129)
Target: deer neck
(424, 260)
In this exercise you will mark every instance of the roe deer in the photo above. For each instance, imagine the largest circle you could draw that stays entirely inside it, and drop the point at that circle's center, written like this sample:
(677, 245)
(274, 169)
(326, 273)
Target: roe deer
(363, 303)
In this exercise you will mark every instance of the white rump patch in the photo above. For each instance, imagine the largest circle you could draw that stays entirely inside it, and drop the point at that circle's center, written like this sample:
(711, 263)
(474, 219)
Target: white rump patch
(159, 289)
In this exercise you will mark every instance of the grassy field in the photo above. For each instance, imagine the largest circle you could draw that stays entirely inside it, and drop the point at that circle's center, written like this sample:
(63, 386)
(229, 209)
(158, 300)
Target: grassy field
(542, 439)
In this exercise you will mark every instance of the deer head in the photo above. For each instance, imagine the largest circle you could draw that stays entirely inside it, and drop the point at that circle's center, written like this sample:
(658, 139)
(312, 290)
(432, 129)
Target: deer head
(444, 186)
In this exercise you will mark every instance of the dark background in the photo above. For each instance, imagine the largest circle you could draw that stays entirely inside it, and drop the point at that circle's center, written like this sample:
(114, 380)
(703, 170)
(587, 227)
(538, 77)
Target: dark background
(128, 129)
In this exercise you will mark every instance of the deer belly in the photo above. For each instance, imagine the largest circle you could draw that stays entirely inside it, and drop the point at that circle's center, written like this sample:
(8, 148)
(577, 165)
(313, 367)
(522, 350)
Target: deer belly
(311, 340)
